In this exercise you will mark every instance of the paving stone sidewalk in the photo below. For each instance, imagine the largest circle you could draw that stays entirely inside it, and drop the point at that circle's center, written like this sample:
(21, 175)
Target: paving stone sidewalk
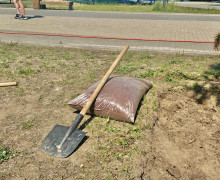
(114, 25)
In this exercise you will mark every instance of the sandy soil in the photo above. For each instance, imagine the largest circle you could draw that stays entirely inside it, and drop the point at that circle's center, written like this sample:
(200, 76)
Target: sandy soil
(182, 144)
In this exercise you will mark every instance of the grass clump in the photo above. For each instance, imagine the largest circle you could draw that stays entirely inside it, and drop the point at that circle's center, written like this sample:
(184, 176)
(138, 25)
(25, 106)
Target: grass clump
(5, 64)
(26, 71)
(5, 153)
(26, 125)
(126, 69)
(149, 73)
(211, 74)
(175, 62)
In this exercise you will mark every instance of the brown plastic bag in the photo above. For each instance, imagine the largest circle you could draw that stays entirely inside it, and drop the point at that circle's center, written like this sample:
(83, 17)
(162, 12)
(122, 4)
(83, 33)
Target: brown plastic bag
(118, 99)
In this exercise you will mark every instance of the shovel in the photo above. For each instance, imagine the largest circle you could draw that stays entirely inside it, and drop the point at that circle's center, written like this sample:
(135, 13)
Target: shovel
(62, 140)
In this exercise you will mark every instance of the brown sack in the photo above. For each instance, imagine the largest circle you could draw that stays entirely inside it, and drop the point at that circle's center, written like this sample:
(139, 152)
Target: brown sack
(119, 98)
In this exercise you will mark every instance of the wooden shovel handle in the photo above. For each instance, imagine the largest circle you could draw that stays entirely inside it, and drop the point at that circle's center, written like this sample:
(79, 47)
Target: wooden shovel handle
(8, 84)
(102, 82)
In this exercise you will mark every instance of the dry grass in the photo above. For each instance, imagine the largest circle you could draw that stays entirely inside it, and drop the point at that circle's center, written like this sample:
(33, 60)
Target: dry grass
(175, 135)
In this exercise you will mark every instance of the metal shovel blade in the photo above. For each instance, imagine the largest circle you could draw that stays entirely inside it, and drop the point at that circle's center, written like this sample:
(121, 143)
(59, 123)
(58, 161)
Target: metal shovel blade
(53, 139)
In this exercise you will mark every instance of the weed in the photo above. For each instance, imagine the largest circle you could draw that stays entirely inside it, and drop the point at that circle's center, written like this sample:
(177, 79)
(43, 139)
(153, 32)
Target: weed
(198, 58)
(149, 125)
(40, 98)
(126, 69)
(118, 157)
(26, 71)
(107, 121)
(211, 74)
(19, 91)
(134, 129)
(5, 153)
(7, 56)
(75, 95)
(170, 89)
(144, 56)
(149, 57)
(158, 6)
(69, 58)
(52, 69)
(180, 74)
(153, 91)
(76, 64)
(5, 64)
(114, 129)
(11, 44)
(123, 142)
(92, 75)
(28, 63)
(26, 125)
(175, 62)
(110, 128)
(29, 56)
(168, 78)
(127, 171)
(149, 73)
(62, 64)
(133, 134)
(155, 105)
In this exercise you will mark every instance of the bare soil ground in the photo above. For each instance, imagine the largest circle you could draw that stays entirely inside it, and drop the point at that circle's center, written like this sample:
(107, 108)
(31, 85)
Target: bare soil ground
(177, 130)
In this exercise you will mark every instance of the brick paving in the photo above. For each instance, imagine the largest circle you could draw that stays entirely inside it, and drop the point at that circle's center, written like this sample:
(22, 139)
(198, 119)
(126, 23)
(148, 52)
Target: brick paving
(125, 25)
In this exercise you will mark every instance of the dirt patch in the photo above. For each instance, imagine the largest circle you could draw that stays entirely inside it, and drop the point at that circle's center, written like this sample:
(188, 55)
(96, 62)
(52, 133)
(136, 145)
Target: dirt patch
(176, 134)
(184, 140)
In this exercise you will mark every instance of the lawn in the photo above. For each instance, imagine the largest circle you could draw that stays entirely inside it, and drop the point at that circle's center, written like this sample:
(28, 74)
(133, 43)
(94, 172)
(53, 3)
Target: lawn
(175, 135)
(171, 7)
(157, 7)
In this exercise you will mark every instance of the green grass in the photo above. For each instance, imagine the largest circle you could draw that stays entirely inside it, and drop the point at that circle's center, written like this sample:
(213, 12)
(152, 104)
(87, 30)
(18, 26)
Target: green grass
(157, 7)
(5, 64)
(26, 125)
(126, 69)
(26, 71)
(5, 153)
(149, 73)
(211, 74)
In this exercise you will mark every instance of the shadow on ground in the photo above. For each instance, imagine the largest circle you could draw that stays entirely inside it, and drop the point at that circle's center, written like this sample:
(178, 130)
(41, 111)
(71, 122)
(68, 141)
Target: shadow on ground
(37, 16)
(203, 90)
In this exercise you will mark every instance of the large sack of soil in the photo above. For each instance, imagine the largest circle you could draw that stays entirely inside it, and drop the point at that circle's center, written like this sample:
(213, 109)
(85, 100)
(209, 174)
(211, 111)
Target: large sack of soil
(118, 99)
